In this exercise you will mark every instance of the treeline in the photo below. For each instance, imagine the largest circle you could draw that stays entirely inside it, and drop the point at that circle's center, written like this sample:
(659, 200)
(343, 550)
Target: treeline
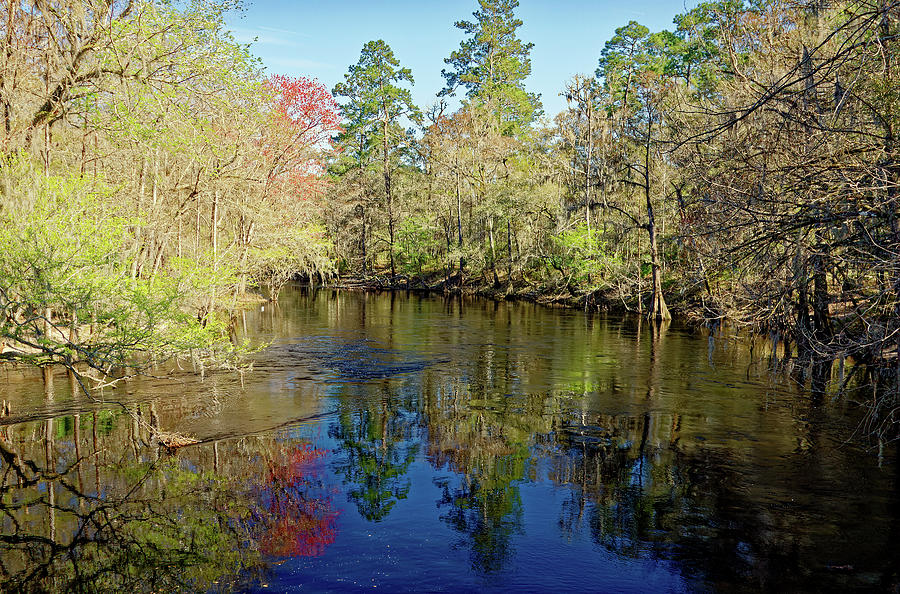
(150, 173)
(741, 165)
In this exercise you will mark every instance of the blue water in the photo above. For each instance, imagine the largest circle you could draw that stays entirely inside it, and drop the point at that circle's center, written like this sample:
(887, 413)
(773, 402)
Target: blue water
(412, 549)
(420, 444)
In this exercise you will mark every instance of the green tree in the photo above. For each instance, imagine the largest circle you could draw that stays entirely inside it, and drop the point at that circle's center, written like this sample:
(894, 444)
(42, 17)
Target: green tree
(208, 175)
(374, 107)
(492, 64)
(633, 67)
(66, 292)
(700, 57)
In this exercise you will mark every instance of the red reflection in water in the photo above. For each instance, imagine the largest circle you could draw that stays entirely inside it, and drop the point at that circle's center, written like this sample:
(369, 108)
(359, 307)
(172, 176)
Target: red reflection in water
(301, 514)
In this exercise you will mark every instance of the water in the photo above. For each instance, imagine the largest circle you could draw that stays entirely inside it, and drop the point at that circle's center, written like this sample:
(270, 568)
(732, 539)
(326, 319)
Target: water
(386, 442)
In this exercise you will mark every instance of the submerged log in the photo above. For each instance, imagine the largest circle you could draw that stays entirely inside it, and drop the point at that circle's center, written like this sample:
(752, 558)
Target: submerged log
(174, 441)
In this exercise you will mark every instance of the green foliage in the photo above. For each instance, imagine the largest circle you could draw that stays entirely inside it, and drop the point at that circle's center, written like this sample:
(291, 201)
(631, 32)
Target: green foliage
(700, 50)
(375, 109)
(152, 537)
(297, 250)
(67, 292)
(581, 255)
(492, 63)
(374, 102)
(621, 59)
(157, 171)
(416, 245)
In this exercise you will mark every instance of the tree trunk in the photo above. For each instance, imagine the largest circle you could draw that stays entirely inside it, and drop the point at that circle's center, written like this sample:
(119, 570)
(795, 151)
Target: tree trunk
(387, 194)
(493, 251)
(462, 261)
(658, 308)
(803, 322)
(214, 238)
(590, 157)
(509, 261)
(365, 256)
(213, 233)
(821, 318)
(7, 108)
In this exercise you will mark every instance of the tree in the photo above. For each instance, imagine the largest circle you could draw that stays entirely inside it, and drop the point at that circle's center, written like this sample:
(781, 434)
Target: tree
(303, 119)
(217, 177)
(584, 93)
(492, 64)
(445, 141)
(66, 295)
(632, 67)
(805, 168)
(374, 108)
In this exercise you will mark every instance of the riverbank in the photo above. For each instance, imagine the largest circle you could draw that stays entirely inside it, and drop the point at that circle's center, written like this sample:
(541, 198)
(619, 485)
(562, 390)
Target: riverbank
(691, 306)
(688, 305)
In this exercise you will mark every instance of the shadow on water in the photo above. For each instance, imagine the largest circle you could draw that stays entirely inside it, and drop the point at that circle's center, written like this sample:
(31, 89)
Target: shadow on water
(453, 444)
(350, 360)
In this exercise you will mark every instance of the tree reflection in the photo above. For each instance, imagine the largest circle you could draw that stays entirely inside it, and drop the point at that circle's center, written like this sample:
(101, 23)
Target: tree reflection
(649, 455)
(487, 513)
(297, 509)
(475, 434)
(377, 447)
(146, 533)
(724, 522)
(151, 522)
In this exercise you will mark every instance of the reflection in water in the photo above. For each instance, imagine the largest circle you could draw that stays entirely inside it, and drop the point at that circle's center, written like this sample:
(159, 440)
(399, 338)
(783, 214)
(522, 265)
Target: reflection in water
(297, 511)
(376, 445)
(500, 446)
(468, 436)
(151, 522)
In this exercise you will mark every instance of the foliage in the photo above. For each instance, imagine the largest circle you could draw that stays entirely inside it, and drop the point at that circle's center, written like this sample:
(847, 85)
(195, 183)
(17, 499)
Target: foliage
(297, 523)
(581, 256)
(374, 456)
(66, 288)
(295, 251)
(416, 245)
(748, 156)
(374, 108)
(158, 523)
(217, 178)
(492, 62)
(374, 97)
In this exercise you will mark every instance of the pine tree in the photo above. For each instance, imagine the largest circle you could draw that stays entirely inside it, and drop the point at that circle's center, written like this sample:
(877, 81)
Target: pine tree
(492, 64)
(373, 110)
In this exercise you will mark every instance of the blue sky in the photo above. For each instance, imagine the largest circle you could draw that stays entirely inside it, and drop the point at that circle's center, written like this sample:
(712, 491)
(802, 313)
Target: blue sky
(321, 39)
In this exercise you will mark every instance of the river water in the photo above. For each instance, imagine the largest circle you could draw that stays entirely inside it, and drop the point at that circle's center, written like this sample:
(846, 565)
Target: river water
(407, 443)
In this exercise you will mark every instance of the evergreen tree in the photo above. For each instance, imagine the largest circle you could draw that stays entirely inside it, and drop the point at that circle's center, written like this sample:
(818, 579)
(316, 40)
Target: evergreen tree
(492, 64)
(374, 107)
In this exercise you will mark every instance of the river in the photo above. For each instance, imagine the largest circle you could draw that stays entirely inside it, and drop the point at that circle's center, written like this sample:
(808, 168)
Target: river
(408, 443)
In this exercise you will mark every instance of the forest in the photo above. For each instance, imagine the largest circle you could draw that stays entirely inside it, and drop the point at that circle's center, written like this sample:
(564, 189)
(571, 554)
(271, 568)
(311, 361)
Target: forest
(740, 167)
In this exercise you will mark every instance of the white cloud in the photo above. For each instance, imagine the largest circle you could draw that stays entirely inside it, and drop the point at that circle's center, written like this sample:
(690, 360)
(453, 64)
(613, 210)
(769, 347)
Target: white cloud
(264, 36)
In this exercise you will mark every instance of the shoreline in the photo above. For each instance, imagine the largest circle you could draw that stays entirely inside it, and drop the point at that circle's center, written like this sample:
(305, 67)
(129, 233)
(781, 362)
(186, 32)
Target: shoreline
(685, 311)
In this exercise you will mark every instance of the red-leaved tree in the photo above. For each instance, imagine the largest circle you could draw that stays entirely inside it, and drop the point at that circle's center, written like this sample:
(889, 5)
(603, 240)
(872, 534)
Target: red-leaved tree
(304, 119)
(301, 120)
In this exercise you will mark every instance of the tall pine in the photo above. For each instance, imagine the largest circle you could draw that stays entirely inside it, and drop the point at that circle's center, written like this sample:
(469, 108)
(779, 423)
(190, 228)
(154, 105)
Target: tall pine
(374, 106)
(492, 63)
